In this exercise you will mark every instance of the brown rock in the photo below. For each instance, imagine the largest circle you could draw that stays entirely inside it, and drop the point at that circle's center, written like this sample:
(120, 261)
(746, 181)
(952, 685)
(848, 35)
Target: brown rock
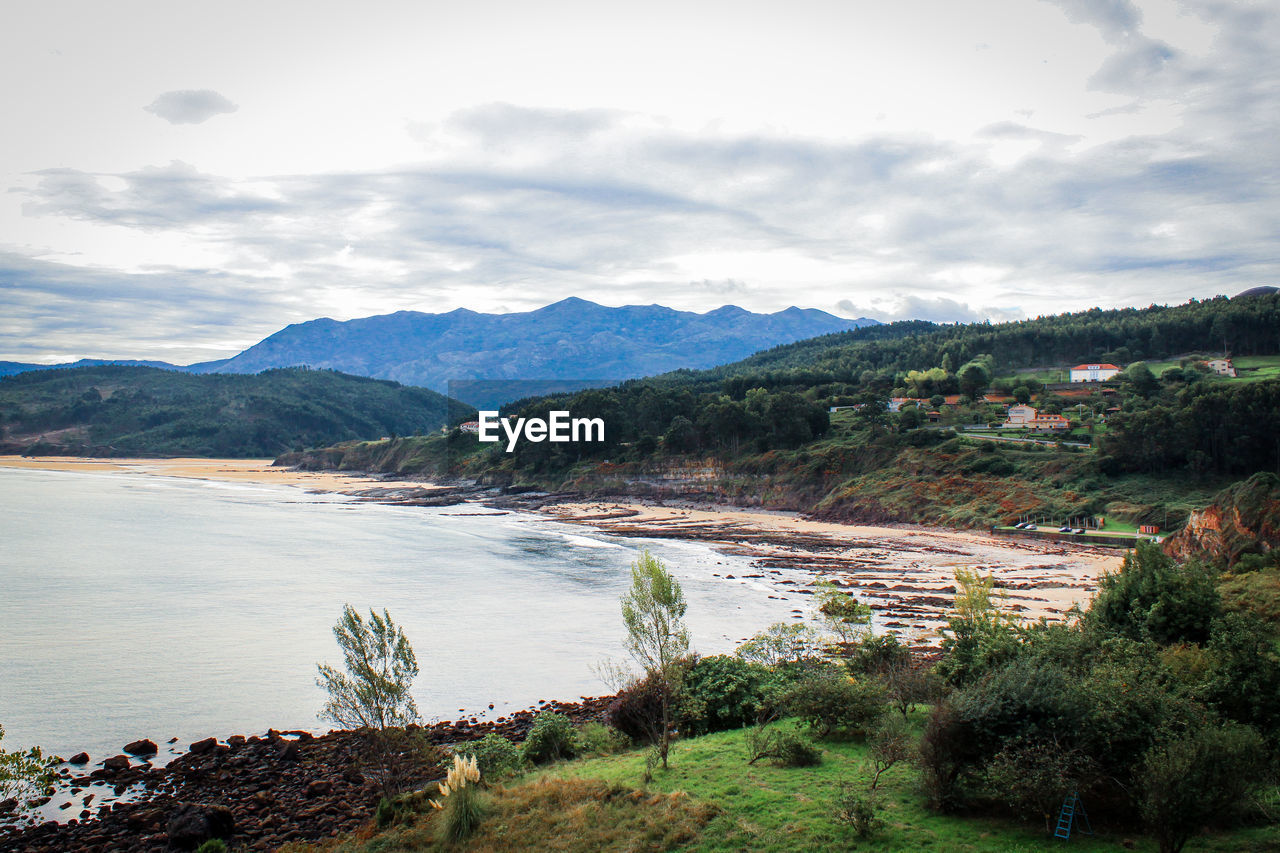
(142, 747)
(116, 763)
(79, 758)
(200, 747)
(318, 787)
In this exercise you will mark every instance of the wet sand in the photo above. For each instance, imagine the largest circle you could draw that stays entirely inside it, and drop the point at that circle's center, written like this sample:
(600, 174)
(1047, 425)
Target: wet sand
(906, 572)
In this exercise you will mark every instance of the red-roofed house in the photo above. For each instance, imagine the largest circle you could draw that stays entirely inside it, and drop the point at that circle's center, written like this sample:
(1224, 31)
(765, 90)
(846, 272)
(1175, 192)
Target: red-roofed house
(1049, 422)
(1093, 372)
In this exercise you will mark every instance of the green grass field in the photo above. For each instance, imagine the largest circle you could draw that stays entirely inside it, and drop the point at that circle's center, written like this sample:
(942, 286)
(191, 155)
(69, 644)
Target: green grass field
(711, 800)
(1257, 368)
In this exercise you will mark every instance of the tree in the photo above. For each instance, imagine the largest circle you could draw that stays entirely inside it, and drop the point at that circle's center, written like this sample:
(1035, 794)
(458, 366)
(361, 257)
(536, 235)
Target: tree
(373, 695)
(652, 610)
(23, 775)
(374, 691)
(847, 617)
(1192, 780)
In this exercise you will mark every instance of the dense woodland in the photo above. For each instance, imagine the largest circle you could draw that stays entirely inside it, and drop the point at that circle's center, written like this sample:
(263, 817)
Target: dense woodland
(143, 411)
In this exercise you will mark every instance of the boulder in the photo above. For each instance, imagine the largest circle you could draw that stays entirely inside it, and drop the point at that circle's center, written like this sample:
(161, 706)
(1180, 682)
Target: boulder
(79, 758)
(202, 746)
(116, 763)
(141, 747)
(193, 824)
(318, 788)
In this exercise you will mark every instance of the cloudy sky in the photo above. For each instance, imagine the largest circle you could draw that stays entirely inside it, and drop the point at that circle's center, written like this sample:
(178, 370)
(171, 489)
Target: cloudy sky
(180, 179)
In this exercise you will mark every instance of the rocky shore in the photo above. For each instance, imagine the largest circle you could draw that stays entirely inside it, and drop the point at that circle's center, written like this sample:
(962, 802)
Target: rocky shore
(266, 790)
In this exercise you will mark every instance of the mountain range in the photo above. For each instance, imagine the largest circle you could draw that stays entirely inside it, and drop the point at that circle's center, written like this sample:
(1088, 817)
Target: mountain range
(574, 342)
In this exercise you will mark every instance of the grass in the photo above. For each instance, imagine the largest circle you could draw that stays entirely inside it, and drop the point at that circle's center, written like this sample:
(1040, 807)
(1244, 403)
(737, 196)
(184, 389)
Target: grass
(711, 800)
(1257, 368)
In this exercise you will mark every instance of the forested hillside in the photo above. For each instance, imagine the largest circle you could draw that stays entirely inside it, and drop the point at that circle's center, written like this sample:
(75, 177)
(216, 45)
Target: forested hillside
(1150, 446)
(143, 411)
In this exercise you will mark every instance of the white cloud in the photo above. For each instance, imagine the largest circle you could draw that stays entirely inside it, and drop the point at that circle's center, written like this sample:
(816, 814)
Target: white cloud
(190, 106)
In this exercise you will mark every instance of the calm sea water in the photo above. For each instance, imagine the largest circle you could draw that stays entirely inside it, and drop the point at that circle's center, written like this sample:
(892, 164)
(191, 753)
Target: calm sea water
(136, 606)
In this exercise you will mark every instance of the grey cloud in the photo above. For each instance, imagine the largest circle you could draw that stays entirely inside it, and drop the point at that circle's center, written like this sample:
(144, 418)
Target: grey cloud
(937, 309)
(190, 106)
(1115, 19)
(609, 205)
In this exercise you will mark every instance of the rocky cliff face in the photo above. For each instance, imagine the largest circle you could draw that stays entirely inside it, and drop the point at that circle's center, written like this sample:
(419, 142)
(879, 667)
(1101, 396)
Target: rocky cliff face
(1243, 518)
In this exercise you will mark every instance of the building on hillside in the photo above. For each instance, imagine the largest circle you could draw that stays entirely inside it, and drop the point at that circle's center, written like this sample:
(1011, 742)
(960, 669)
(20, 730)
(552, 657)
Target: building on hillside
(1221, 366)
(896, 403)
(1093, 372)
(1049, 423)
(470, 426)
(1019, 416)
(1149, 529)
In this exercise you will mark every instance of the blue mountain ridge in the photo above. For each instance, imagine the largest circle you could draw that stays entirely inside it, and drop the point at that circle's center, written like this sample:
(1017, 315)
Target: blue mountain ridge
(572, 339)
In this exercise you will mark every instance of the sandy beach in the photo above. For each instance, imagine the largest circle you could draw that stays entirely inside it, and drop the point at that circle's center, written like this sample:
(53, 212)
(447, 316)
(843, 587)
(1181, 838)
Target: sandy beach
(907, 573)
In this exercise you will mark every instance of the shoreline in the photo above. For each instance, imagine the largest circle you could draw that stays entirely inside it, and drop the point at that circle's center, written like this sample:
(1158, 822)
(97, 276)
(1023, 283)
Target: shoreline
(906, 572)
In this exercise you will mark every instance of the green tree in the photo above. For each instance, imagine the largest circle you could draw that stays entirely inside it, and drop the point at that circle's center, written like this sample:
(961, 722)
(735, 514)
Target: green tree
(1152, 596)
(1197, 778)
(380, 667)
(846, 617)
(652, 610)
(23, 775)
(373, 695)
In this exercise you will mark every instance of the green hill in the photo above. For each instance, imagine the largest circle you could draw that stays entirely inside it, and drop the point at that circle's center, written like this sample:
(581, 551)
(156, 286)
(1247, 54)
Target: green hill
(143, 411)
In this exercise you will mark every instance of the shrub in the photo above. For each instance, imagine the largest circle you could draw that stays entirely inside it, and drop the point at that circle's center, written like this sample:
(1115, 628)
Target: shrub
(213, 845)
(784, 747)
(1034, 776)
(637, 709)
(495, 756)
(1154, 597)
(891, 742)
(858, 811)
(599, 739)
(719, 693)
(829, 702)
(782, 643)
(1190, 781)
(944, 754)
(549, 739)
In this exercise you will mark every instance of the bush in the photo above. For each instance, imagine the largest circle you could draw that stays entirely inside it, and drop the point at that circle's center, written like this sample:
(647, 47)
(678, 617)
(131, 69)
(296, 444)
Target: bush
(858, 811)
(829, 702)
(719, 693)
(944, 754)
(213, 845)
(459, 803)
(1034, 776)
(637, 710)
(1195, 779)
(1154, 597)
(549, 739)
(496, 756)
(784, 747)
(891, 743)
(599, 739)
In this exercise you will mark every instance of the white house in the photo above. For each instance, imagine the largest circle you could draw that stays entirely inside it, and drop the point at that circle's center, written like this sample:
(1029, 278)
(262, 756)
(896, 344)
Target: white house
(1020, 416)
(1093, 372)
(1222, 366)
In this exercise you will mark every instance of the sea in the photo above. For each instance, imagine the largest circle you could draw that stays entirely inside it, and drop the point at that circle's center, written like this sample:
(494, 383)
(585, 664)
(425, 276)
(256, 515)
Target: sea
(138, 606)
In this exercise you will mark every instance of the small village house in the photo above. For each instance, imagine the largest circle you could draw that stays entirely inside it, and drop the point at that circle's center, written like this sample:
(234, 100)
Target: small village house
(1093, 372)
(1049, 423)
(1221, 366)
(1019, 416)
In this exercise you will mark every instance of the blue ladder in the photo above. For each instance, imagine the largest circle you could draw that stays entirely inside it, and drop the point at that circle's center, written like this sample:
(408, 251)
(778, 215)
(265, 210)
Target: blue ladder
(1072, 813)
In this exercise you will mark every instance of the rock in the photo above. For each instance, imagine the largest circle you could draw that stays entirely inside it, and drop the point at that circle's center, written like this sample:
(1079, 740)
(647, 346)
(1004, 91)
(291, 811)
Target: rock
(194, 824)
(200, 747)
(318, 787)
(236, 741)
(8, 805)
(1244, 517)
(116, 763)
(289, 752)
(142, 747)
(79, 758)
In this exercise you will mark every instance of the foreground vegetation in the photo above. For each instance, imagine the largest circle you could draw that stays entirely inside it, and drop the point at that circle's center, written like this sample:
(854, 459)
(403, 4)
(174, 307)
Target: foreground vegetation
(1156, 705)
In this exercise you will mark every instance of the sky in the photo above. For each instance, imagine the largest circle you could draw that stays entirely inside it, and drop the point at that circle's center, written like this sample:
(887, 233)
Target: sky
(180, 179)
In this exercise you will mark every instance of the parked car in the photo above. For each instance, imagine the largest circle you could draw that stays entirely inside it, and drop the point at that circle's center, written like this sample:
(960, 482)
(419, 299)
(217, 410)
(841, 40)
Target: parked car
(1064, 529)
(1079, 531)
